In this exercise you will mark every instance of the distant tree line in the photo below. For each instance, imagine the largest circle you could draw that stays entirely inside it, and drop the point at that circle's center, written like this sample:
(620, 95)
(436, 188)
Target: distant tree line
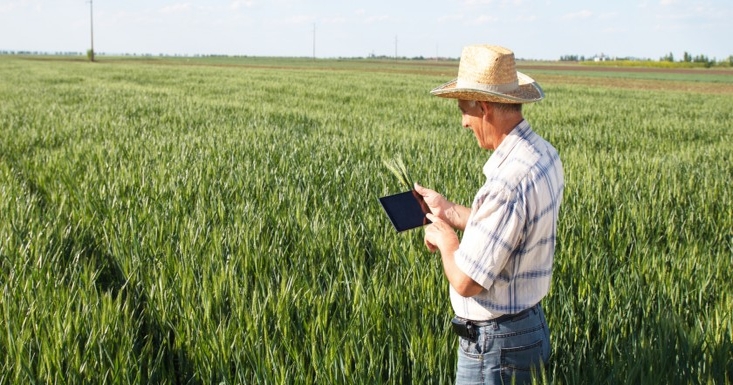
(89, 52)
(5, 52)
(71, 53)
(686, 58)
(572, 58)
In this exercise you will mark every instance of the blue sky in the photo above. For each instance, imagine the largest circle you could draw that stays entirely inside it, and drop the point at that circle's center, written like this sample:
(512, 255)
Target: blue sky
(534, 29)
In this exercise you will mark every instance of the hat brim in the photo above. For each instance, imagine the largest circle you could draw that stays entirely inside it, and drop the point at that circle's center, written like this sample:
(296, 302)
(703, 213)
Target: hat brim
(527, 92)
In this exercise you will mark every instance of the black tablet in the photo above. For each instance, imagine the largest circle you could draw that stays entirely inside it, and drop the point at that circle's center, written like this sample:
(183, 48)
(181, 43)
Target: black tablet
(405, 210)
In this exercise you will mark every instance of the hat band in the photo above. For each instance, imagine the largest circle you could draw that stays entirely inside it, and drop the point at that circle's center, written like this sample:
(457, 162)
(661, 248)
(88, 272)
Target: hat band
(498, 88)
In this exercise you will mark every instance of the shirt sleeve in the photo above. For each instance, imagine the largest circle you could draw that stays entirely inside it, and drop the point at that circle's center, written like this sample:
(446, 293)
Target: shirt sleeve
(491, 237)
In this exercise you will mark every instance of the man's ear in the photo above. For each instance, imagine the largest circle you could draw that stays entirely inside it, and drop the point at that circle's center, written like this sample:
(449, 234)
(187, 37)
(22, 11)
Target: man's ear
(485, 107)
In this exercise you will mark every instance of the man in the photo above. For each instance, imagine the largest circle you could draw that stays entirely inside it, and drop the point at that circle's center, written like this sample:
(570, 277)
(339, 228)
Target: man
(502, 266)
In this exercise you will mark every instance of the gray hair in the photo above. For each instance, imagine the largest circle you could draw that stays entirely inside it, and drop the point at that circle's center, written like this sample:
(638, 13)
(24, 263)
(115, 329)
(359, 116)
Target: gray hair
(503, 107)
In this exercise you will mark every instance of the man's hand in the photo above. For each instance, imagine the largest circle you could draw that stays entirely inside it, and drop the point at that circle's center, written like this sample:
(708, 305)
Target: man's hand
(440, 236)
(453, 214)
(436, 202)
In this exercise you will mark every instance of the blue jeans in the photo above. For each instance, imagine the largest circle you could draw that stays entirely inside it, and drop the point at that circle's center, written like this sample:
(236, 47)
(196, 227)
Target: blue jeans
(509, 352)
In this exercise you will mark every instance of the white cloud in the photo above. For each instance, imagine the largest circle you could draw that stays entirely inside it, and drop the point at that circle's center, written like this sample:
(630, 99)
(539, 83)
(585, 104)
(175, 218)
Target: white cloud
(526, 18)
(176, 8)
(613, 30)
(667, 27)
(450, 18)
(675, 16)
(121, 18)
(608, 15)
(334, 20)
(483, 19)
(207, 8)
(7, 7)
(584, 14)
(297, 19)
(234, 5)
(376, 19)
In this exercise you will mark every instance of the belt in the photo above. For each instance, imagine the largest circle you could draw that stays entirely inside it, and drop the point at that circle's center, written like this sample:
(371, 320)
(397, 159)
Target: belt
(467, 328)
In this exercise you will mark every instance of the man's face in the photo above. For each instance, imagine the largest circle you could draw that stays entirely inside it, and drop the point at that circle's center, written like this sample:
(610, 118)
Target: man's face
(472, 117)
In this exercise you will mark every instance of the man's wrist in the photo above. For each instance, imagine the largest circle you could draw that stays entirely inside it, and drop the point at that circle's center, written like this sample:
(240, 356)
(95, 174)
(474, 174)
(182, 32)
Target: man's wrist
(455, 218)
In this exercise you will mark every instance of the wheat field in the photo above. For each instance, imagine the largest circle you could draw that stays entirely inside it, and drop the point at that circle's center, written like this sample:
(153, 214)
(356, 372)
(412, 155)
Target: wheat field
(188, 221)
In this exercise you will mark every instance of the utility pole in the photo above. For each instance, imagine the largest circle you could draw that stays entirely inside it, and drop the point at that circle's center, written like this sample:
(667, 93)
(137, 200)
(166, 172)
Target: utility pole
(395, 47)
(314, 41)
(91, 18)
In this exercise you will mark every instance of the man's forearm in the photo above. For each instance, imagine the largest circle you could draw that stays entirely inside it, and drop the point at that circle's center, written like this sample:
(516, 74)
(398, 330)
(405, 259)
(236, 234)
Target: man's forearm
(461, 283)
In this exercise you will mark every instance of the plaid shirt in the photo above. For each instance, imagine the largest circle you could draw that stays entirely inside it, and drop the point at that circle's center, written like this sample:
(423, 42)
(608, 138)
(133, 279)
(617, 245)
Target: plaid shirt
(509, 241)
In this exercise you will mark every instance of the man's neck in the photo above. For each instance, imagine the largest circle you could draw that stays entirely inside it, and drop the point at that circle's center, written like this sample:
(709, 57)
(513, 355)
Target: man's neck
(505, 124)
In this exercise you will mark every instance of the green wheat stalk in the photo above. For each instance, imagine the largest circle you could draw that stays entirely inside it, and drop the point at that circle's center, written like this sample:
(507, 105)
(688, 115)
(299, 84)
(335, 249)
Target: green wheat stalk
(398, 168)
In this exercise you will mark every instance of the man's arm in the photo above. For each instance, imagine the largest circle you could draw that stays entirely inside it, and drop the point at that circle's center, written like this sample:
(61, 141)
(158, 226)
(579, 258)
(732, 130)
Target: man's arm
(439, 236)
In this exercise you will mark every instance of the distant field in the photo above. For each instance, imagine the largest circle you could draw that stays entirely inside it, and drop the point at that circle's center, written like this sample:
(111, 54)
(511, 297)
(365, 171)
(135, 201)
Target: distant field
(438, 68)
(215, 220)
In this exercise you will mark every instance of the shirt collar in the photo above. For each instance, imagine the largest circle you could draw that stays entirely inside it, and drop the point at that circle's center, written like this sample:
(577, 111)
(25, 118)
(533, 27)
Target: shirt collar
(519, 132)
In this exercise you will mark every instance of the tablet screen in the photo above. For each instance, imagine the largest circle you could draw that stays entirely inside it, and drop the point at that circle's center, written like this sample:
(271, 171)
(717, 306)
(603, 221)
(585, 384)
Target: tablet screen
(405, 210)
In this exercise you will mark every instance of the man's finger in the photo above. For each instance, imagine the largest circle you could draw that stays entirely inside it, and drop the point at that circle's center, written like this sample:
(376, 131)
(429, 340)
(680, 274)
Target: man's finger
(430, 246)
(432, 218)
(420, 189)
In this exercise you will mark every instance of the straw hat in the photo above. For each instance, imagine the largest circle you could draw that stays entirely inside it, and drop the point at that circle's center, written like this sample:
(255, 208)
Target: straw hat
(489, 73)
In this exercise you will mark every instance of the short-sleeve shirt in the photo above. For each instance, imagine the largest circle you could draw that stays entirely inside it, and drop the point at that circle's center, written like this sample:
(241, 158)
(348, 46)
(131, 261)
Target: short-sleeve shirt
(508, 245)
